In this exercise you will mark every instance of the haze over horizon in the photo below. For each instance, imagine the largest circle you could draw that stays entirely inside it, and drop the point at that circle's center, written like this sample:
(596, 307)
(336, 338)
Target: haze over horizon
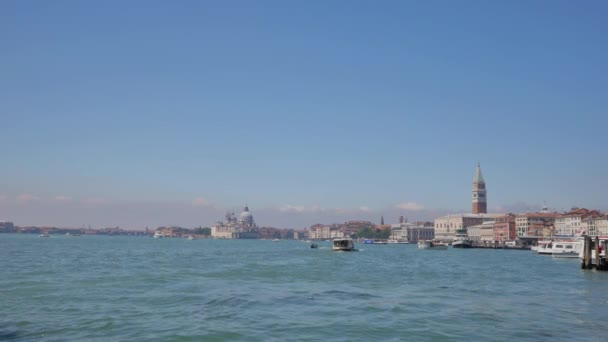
(150, 113)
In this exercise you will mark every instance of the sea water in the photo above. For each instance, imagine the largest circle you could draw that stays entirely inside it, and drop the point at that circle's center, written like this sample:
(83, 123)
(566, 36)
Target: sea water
(104, 288)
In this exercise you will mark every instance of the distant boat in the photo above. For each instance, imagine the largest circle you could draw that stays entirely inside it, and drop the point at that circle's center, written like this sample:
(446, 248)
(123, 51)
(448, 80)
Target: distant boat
(158, 235)
(461, 239)
(428, 244)
(275, 240)
(45, 235)
(314, 245)
(343, 244)
(570, 249)
(191, 237)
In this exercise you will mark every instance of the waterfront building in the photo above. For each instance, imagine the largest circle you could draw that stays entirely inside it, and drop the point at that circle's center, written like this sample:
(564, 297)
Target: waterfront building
(7, 227)
(523, 222)
(544, 230)
(504, 228)
(595, 225)
(480, 205)
(319, 232)
(412, 232)
(243, 227)
(445, 227)
(482, 232)
(570, 223)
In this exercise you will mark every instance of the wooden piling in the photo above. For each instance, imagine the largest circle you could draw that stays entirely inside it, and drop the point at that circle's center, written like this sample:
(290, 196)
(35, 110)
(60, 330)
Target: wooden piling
(586, 253)
(602, 263)
(597, 253)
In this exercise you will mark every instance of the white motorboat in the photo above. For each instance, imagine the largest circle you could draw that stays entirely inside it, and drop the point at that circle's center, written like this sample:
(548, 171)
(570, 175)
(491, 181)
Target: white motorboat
(570, 249)
(45, 235)
(158, 235)
(428, 244)
(461, 239)
(545, 248)
(343, 244)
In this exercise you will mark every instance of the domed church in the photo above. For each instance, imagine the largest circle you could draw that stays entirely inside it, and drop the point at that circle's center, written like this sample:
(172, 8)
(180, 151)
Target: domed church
(246, 219)
(242, 227)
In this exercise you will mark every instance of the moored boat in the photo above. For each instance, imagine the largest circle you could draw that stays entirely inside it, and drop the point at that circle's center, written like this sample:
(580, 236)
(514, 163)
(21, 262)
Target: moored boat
(158, 235)
(343, 244)
(567, 249)
(428, 244)
(461, 239)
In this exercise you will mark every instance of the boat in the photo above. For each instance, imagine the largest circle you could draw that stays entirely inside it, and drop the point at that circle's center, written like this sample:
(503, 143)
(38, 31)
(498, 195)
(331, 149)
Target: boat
(545, 248)
(275, 240)
(567, 249)
(343, 244)
(190, 237)
(428, 244)
(314, 245)
(45, 235)
(461, 239)
(158, 235)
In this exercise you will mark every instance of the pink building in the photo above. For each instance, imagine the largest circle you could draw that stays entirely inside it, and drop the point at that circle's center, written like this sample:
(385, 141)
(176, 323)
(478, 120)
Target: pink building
(504, 228)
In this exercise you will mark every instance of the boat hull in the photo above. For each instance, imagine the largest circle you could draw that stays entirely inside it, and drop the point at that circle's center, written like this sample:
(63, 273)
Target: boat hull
(461, 244)
(345, 245)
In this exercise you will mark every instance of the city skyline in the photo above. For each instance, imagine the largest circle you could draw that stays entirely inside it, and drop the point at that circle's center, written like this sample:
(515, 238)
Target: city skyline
(136, 114)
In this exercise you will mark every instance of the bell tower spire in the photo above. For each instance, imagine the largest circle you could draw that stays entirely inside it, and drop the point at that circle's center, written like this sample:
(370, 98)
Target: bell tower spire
(479, 193)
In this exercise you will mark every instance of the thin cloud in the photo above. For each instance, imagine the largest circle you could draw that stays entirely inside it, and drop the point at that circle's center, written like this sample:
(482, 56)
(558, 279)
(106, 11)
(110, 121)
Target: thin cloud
(411, 206)
(26, 198)
(62, 198)
(200, 202)
(95, 202)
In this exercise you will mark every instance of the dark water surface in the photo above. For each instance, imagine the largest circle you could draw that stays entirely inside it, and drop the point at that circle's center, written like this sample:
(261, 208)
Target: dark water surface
(96, 288)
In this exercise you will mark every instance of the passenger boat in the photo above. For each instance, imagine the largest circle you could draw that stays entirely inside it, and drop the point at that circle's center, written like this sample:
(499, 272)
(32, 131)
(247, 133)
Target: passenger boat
(570, 249)
(343, 244)
(461, 239)
(428, 244)
(545, 248)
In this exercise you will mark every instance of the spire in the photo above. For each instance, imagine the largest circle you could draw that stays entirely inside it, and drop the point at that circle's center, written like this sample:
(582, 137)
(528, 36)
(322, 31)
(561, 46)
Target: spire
(478, 176)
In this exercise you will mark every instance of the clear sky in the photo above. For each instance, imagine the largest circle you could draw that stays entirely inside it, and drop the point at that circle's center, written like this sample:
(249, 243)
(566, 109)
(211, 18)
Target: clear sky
(138, 113)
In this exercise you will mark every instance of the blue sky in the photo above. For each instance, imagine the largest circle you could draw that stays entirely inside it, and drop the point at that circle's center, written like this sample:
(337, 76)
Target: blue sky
(306, 110)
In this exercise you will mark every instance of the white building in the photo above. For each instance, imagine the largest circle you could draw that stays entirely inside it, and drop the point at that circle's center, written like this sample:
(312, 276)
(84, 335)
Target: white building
(412, 232)
(445, 227)
(242, 228)
(595, 226)
(523, 222)
(571, 223)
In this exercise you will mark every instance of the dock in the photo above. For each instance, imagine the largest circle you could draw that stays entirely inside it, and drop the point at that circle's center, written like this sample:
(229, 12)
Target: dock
(594, 254)
(497, 245)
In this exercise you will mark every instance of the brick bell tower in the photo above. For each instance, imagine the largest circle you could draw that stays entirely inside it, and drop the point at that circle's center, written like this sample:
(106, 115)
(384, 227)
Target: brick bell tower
(480, 205)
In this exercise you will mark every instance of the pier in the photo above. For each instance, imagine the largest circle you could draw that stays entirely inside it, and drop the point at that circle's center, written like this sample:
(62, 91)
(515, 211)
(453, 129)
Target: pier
(594, 254)
(497, 245)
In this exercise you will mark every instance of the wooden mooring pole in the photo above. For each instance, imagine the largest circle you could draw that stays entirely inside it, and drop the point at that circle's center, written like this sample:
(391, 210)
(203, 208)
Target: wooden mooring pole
(597, 253)
(602, 263)
(586, 253)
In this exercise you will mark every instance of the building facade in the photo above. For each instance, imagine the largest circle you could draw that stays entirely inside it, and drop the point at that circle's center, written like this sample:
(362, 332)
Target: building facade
(571, 223)
(523, 222)
(504, 228)
(445, 227)
(243, 227)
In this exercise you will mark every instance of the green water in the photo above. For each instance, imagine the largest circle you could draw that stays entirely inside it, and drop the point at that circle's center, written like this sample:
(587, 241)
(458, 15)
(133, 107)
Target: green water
(96, 288)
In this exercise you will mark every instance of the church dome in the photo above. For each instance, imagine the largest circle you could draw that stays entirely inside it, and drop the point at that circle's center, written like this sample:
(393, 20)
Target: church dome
(246, 217)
